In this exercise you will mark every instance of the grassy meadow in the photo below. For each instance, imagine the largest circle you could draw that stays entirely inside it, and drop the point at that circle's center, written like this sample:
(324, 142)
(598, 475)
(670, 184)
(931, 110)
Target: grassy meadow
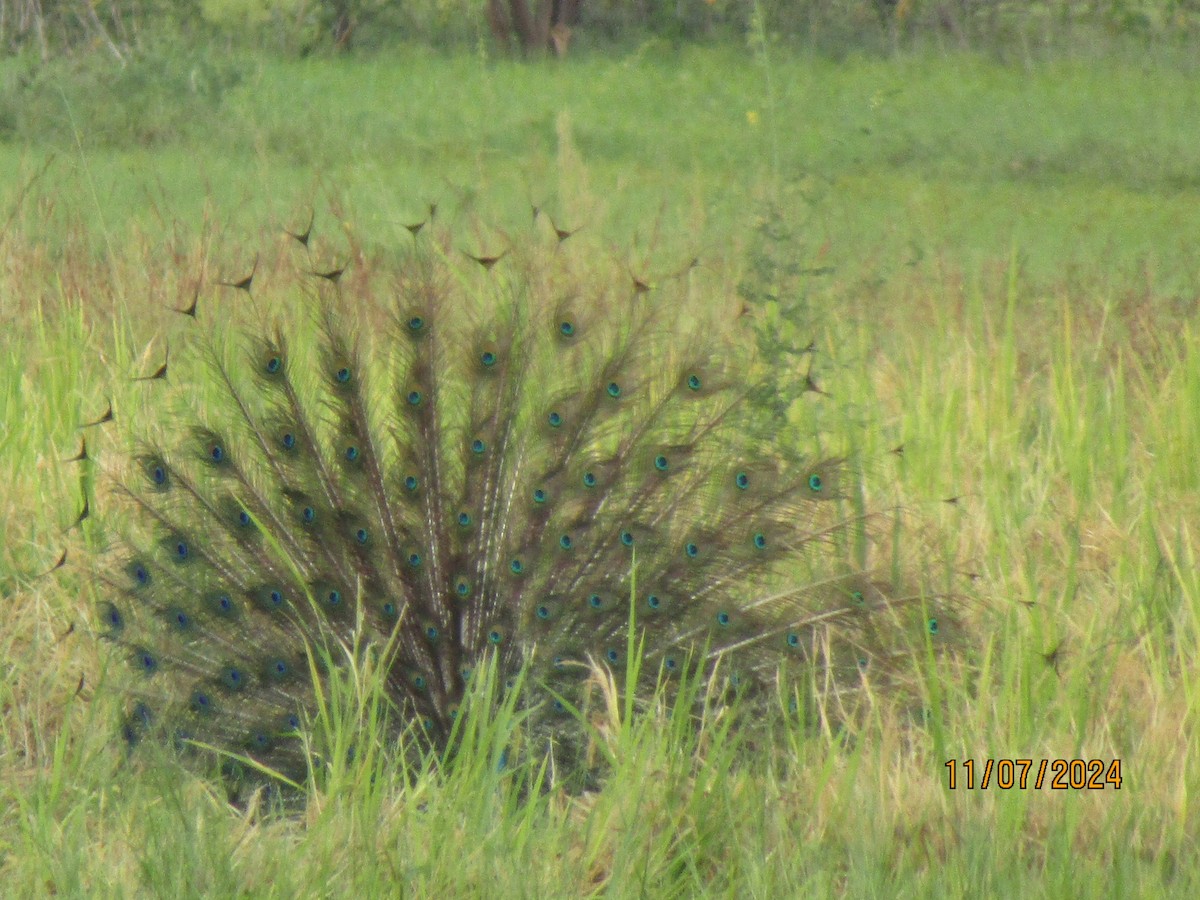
(997, 264)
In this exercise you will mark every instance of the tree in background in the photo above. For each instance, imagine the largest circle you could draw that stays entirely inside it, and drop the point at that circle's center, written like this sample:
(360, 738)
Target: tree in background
(547, 27)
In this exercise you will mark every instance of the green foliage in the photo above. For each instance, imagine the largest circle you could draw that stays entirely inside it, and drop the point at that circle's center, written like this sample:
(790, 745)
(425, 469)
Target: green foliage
(301, 27)
(159, 96)
(63, 28)
(834, 27)
(292, 25)
(240, 15)
(774, 289)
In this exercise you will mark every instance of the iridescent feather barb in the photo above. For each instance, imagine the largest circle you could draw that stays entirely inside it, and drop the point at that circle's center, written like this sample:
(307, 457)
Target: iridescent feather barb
(482, 468)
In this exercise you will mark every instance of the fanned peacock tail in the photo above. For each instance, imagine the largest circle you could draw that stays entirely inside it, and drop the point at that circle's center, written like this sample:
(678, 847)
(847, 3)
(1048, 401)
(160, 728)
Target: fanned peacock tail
(501, 462)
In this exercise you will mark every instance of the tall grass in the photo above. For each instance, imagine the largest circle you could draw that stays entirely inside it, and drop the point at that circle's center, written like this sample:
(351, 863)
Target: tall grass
(1007, 287)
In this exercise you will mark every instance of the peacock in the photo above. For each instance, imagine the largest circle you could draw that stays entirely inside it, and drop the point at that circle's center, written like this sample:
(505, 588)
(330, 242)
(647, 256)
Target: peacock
(503, 462)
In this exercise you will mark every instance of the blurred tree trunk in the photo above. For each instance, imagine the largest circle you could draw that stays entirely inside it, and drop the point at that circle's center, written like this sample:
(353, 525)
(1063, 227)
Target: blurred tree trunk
(546, 27)
(343, 24)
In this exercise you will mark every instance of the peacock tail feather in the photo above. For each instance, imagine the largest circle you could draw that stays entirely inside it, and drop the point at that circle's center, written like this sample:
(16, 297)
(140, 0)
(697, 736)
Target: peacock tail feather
(501, 462)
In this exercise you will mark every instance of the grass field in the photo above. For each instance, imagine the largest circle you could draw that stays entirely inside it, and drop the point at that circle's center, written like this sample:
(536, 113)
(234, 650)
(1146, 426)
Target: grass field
(998, 265)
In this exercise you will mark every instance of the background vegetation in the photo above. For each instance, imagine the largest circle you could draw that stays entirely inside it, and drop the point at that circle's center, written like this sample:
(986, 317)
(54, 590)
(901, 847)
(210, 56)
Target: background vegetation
(122, 28)
(990, 239)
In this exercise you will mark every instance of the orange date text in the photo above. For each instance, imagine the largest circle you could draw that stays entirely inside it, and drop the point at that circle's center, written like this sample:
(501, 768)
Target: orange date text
(1023, 774)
